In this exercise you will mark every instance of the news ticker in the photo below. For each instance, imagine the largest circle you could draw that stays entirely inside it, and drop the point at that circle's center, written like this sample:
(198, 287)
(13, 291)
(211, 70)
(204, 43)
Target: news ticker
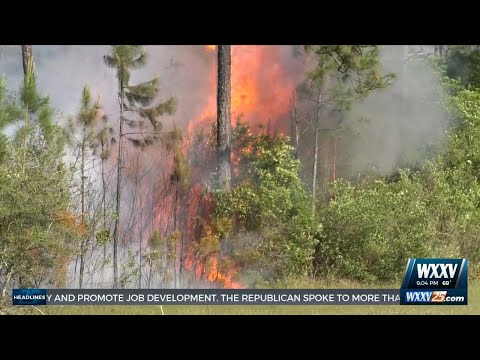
(426, 282)
(206, 297)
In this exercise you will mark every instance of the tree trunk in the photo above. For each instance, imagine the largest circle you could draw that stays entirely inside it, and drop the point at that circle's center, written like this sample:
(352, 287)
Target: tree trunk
(438, 50)
(334, 158)
(116, 231)
(140, 245)
(295, 122)
(223, 116)
(104, 207)
(175, 226)
(82, 197)
(26, 57)
(334, 165)
(317, 144)
(184, 236)
(405, 78)
(315, 166)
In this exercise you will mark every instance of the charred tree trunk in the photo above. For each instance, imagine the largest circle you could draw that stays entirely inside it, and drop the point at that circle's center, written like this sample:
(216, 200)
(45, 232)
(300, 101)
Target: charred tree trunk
(223, 116)
(27, 56)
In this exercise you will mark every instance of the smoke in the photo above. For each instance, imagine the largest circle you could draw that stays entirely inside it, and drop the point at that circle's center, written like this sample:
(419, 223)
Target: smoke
(62, 70)
(398, 125)
(401, 120)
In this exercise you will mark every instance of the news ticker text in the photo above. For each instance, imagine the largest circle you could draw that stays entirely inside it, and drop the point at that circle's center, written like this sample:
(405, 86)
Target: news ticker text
(206, 297)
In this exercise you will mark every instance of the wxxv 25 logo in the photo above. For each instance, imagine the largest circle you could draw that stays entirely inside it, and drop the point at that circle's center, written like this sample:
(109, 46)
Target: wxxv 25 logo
(435, 282)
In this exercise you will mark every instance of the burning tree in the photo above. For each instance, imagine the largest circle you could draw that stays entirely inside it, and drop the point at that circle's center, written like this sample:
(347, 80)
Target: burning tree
(223, 116)
(134, 99)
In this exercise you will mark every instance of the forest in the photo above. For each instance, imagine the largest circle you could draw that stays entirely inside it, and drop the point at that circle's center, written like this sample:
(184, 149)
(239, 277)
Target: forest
(235, 166)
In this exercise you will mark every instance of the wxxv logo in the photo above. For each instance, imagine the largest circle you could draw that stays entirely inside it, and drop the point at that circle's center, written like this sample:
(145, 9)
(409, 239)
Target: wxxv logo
(435, 282)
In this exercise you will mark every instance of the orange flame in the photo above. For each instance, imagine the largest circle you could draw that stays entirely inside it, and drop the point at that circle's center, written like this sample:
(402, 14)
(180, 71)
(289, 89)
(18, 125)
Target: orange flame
(261, 86)
(225, 279)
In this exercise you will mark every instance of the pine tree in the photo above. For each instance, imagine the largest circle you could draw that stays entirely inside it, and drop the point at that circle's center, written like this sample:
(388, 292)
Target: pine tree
(344, 73)
(36, 112)
(103, 145)
(83, 137)
(223, 116)
(180, 185)
(134, 99)
(36, 230)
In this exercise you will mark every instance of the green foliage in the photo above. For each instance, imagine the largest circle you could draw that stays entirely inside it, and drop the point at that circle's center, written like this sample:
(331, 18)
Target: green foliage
(180, 176)
(464, 147)
(156, 240)
(36, 228)
(370, 230)
(35, 108)
(139, 97)
(88, 110)
(29, 96)
(81, 130)
(38, 232)
(161, 257)
(463, 64)
(353, 71)
(265, 219)
(9, 111)
(102, 236)
(125, 57)
(129, 270)
(34, 113)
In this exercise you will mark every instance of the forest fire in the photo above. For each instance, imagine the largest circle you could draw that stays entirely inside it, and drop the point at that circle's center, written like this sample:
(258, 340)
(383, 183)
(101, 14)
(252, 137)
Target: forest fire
(262, 86)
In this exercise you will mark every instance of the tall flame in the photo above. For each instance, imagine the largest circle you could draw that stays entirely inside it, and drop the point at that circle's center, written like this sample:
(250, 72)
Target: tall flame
(262, 86)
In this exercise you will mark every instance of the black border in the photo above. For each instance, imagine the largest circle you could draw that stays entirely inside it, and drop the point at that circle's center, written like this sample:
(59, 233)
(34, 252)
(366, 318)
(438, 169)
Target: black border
(185, 23)
(318, 332)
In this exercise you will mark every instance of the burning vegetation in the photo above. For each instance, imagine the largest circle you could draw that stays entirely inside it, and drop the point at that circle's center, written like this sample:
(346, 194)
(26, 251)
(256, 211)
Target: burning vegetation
(281, 171)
